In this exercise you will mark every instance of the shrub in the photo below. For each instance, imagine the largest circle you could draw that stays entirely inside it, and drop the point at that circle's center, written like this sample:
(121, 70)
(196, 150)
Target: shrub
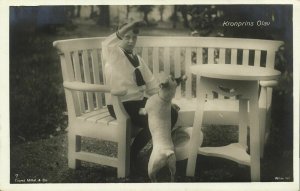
(36, 96)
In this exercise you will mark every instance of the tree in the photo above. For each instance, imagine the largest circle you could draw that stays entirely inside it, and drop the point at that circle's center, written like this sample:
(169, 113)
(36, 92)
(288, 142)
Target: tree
(174, 17)
(78, 11)
(103, 18)
(127, 11)
(146, 9)
(184, 12)
(203, 18)
(161, 9)
(92, 12)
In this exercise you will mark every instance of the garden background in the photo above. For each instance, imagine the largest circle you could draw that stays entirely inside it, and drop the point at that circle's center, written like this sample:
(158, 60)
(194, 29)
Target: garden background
(38, 118)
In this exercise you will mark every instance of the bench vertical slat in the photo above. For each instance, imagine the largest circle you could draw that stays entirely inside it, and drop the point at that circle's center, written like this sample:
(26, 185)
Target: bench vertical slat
(245, 57)
(221, 61)
(167, 66)
(270, 59)
(68, 75)
(199, 61)
(155, 62)
(188, 84)
(177, 70)
(67, 69)
(233, 60)
(103, 62)
(210, 56)
(78, 77)
(96, 75)
(257, 56)
(233, 56)
(87, 79)
(145, 55)
(222, 56)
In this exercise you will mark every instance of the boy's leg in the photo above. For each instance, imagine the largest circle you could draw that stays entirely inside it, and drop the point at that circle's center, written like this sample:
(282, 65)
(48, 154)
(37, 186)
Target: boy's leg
(141, 121)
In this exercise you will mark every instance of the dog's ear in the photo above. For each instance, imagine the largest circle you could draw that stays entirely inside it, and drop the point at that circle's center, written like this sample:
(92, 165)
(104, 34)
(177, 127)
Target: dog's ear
(181, 79)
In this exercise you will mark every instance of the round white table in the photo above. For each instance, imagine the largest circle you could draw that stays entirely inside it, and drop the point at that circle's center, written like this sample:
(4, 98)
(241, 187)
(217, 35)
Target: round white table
(230, 80)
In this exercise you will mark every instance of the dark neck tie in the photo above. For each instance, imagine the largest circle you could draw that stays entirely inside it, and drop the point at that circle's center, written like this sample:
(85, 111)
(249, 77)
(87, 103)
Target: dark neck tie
(135, 63)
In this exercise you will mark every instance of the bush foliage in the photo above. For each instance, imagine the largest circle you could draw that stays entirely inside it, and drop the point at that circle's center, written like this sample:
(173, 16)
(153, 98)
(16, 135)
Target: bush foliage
(36, 96)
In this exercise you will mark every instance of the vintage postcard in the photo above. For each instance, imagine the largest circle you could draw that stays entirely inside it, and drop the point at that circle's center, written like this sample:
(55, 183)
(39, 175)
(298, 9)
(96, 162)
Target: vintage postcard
(128, 95)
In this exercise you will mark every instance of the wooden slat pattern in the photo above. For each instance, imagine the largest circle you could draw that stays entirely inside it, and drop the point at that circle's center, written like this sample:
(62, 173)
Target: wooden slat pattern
(67, 69)
(87, 79)
(270, 59)
(155, 62)
(245, 57)
(96, 76)
(221, 61)
(78, 77)
(199, 61)
(222, 56)
(234, 56)
(145, 54)
(257, 56)
(68, 75)
(93, 113)
(210, 56)
(167, 66)
(177, 70)
(96, 158)
(188, 83)
(210, 42)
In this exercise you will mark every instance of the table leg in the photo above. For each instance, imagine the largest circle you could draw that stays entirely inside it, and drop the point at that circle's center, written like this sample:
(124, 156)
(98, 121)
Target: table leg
(197, 136)
(243, 122)
(254, 134)
(262, 118)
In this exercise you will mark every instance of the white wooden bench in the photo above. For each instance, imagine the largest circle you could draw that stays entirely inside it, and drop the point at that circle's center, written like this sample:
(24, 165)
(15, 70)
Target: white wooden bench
(85, 89)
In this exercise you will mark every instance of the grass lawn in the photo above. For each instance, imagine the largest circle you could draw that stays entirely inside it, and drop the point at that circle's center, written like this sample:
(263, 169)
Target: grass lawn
(46, 159)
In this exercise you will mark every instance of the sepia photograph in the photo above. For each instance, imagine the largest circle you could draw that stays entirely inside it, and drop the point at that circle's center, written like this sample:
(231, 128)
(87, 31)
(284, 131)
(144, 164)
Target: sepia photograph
(150, 95)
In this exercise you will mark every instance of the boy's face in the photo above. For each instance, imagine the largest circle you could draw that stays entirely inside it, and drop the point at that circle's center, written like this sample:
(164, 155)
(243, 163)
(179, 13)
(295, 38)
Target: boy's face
(129, 41)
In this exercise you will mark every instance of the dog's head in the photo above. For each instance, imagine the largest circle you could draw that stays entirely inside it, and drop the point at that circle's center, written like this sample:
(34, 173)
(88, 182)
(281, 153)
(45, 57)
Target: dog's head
(168, 83)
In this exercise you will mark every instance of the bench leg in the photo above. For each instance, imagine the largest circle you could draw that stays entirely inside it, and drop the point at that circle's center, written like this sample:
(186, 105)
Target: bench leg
(254, 135)
(74, 145)
(243, 121)
(124, 151)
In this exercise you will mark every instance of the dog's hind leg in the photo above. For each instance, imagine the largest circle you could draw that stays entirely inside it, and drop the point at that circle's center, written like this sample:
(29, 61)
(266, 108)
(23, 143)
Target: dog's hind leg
(152, 176)
(172, 166)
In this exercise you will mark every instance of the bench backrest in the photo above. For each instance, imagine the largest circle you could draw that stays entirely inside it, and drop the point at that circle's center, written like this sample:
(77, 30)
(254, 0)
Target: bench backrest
(176, 54)
(82, 61)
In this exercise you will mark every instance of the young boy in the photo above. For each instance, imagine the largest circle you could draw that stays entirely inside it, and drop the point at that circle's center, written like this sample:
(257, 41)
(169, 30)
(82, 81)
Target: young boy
(125, 69)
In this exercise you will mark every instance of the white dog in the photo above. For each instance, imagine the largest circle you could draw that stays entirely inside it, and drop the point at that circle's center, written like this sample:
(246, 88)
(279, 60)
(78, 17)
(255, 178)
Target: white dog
(158, 108)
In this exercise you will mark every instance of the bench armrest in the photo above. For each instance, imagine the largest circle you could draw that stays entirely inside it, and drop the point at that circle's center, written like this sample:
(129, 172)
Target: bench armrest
(81, 86)
(271, 83)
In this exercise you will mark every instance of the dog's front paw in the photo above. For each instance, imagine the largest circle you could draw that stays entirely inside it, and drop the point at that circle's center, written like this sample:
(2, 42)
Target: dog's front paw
(175, 106)
(142, 111)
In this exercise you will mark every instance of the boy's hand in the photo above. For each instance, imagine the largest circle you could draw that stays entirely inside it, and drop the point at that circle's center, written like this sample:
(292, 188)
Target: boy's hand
(130, 26)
